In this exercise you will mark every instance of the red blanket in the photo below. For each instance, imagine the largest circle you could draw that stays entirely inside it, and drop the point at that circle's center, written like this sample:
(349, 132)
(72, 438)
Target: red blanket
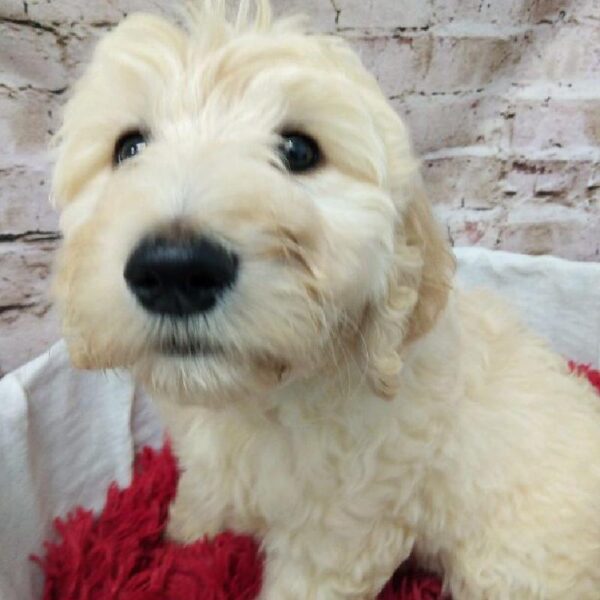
(122, 554)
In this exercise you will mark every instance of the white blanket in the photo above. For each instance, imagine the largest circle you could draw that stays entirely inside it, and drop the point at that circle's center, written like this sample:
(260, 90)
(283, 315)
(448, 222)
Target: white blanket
(66, 434)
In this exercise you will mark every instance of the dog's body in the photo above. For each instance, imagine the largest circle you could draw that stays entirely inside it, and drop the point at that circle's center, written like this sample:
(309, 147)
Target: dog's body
(269, 268)
(485, 465)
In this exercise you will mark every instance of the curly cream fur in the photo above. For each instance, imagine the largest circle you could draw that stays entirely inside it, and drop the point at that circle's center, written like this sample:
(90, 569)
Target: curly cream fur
(357, 409)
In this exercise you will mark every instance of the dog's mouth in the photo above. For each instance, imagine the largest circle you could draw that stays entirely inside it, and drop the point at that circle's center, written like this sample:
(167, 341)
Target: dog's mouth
(188, 347)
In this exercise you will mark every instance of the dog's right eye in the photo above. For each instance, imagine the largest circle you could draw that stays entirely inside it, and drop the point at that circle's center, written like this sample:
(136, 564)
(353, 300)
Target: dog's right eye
(128, 145)
(300, 152)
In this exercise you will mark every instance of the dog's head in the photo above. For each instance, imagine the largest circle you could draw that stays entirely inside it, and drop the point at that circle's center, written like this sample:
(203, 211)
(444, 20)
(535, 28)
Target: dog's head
(240, 204)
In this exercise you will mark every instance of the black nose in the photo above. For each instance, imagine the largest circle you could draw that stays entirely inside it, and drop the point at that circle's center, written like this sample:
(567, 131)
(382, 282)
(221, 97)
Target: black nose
(180, 277)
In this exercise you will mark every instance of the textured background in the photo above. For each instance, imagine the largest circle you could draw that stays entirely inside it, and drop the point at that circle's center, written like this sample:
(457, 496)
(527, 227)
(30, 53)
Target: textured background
(502, 97)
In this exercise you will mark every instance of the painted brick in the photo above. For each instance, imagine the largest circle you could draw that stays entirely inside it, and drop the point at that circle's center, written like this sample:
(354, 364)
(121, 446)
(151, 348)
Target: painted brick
(24, 204)
(447, 121)
(518, 12)
(394, 60)
(27, 120)
(566, 53)
(550, 229)
(25, 333)
(452, 59)
(26, 268)
(472, 182)
(556, 123)
(59, 12)
(27, 324)
(472, 227)
(370, 14)
(566, 182)
(587, 11)
(507, 12)
(12, 9)
(30, 56)
(592, 183)
(322, 13)
(63, 12)
(559, 11)
(468, 59)
(530, 229)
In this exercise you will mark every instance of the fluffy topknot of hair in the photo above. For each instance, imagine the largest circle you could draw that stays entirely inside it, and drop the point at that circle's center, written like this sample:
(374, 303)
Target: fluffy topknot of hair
(219, 20)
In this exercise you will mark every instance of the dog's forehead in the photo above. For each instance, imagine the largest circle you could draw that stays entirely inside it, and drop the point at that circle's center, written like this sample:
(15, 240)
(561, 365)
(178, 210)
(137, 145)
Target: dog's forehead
(149, 64)
(155, 77)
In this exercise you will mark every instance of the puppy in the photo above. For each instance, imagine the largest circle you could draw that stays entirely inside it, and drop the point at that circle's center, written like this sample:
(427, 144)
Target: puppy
(245, 230)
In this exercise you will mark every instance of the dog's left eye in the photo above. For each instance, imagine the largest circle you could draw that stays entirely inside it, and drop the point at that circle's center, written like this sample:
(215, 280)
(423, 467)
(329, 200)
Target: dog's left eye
(129, 145)
(300, 152)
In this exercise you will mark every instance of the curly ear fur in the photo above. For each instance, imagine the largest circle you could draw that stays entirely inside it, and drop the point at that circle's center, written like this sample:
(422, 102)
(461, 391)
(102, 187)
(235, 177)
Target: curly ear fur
(421, 276)
(424, 233)
(416, 292)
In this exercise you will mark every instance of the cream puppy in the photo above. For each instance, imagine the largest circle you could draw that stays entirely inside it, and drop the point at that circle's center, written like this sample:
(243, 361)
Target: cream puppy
(246, 231)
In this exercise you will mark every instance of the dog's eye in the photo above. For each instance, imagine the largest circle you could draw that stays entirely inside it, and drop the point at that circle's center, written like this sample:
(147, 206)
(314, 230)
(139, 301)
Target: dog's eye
(299, 152)
(129, 145)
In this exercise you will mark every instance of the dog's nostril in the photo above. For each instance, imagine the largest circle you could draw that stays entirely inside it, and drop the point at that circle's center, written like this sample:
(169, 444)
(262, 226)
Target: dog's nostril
(198, 282)
(148, 281)
(180, 277)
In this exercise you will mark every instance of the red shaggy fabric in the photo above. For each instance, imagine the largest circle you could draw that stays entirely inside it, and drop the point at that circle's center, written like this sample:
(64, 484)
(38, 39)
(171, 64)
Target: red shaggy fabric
(122, 554)
(592, 374)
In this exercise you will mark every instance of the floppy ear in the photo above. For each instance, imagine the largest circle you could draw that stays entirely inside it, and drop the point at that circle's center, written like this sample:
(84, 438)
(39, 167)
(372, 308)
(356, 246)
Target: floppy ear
(424, 233)
(419, 280)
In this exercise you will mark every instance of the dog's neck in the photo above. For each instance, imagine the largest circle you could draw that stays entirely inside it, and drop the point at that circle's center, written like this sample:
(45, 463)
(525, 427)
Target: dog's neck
(343, 396)
(332, 395)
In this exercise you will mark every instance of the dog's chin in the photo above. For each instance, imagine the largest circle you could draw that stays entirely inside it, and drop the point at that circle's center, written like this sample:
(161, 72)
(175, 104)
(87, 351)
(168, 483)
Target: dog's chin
(206, 373)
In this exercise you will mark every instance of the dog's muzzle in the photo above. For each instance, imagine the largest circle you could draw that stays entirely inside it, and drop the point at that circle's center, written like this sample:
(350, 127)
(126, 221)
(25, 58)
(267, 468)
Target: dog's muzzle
(180, 276)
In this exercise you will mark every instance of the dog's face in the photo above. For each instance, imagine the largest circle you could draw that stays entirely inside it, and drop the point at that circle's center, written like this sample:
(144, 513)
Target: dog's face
(239, 206)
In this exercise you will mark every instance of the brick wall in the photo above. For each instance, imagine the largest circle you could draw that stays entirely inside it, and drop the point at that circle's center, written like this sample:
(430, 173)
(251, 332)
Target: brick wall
(502, 97)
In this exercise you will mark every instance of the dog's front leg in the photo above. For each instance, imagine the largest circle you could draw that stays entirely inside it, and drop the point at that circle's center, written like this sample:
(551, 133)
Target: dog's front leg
(195, 512)
(320, 566)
